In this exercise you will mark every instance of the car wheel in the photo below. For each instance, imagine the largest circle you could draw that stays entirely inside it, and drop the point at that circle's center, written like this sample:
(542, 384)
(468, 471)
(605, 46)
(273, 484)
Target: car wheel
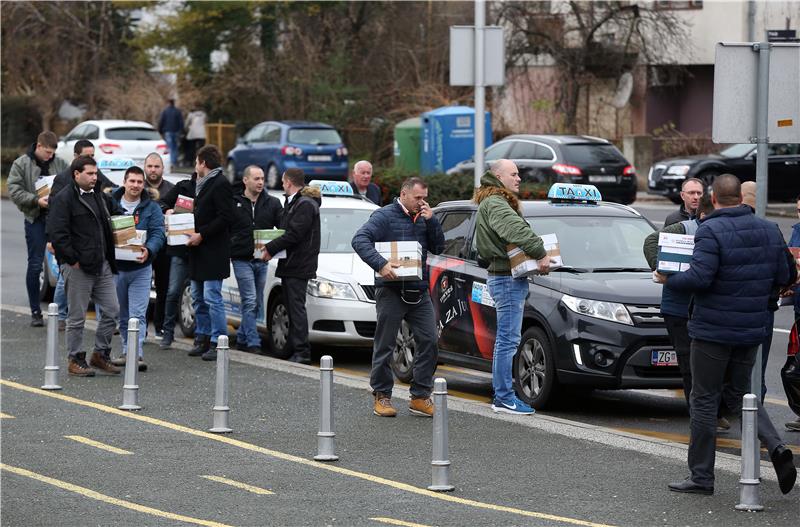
(278, 327)
(534, 369)
(273, 179)
(707, 177)
(186, 312)
(403, 355)
(231, 171)
(45, 289)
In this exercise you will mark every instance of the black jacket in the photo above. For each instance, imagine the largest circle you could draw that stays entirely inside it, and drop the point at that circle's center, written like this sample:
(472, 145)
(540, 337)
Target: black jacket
(78, 234)
(264, 214)
(373, 193)
(213, 217)
(64, 178)
(678, 216)
(301, 240)
(186, 188)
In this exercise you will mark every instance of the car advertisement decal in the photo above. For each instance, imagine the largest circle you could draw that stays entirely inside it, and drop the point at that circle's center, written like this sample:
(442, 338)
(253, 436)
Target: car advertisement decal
(483, 319)
(480, 294)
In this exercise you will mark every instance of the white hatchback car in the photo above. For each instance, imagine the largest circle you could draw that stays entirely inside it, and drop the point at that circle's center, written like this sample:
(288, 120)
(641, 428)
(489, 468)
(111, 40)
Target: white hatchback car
(115, 139)
(340, 301)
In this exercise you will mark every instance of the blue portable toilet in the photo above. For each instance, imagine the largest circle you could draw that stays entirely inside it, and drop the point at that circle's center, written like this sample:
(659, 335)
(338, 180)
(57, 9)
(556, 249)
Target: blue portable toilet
(448, 137)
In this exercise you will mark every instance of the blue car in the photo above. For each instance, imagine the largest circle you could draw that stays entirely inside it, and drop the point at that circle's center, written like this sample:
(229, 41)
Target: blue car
(275, 146)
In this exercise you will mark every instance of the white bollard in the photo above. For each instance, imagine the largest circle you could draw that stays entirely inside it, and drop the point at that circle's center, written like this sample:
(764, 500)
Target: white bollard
(51, 354)
(325, 436)
(130, 390)
(440, 463)
(221, 409)
(749, 496)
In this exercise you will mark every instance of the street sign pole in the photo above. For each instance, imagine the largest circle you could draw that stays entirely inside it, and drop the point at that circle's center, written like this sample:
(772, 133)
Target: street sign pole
(480, 93)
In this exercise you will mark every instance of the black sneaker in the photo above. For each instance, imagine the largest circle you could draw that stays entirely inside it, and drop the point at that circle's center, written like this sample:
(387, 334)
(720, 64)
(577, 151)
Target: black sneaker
(37, 321)
(211, 354)
(201, 345)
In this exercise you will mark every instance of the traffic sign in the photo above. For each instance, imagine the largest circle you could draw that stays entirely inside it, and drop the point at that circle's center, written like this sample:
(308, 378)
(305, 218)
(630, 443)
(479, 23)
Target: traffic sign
(462, 56)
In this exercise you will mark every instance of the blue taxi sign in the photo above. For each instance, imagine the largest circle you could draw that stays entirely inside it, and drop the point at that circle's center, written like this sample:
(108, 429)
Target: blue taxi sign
(332, 188)
(114, 163)
(573, 192)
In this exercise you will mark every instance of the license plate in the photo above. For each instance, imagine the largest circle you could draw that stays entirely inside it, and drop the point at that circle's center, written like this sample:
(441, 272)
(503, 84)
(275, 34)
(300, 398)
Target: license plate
(319, 158)
(602, 179)
(663, 358)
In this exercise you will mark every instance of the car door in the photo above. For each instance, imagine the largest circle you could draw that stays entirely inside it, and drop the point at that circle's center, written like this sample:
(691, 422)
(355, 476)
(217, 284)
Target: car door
(481, 306)
(784, 171)
(532, 160)
(252, 140)
(272, 146)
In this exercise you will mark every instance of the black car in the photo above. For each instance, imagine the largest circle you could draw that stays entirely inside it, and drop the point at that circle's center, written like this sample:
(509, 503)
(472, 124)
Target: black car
(666, 177)
(552, 159)
(594, 323)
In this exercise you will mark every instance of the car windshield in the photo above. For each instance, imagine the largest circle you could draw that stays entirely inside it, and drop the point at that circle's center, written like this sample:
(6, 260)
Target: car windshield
(132, 134)
(597, 242)
(314, 136)
(592, 154)
(337, 227)
(737, 150)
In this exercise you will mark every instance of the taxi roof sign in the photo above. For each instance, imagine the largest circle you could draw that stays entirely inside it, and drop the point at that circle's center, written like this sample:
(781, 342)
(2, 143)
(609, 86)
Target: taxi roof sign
(573, 192)
(114, 163)
(332, 188)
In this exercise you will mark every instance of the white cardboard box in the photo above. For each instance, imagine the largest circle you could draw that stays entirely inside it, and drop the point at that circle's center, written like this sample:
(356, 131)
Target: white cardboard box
(128, 252)
(523, 265)
(674, 252)
(179, 228)
(406, 254)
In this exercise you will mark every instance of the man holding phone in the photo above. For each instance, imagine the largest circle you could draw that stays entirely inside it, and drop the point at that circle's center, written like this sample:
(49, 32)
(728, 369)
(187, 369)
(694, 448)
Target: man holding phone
(409, 218)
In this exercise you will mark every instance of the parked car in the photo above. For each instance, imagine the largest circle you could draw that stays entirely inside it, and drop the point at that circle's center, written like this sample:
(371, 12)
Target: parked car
(667, 176)
(275, 146)
(551, 159)
(115, 139)
(593, 323)
(340, 301)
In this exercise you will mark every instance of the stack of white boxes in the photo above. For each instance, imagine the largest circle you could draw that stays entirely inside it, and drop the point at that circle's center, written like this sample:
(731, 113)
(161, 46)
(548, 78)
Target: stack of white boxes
(180, 228)
(406, 255)
(126, 237)
(132, 251)
(524, 265)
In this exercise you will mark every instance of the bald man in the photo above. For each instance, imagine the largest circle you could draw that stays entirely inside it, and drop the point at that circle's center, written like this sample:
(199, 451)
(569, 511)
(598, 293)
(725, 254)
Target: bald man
(362, 177)
(749, 194)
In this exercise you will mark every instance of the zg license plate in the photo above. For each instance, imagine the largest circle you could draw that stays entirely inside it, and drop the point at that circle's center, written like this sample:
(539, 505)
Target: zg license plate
(602, 179)
(663, 358)
(319, 158)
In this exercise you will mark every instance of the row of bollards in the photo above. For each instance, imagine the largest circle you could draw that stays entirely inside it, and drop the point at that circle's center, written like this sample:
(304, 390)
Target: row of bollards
(325, 437)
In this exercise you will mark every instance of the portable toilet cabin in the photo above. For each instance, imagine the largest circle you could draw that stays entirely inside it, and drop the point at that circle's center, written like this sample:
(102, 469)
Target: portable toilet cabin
(407, 144)
(448, 137)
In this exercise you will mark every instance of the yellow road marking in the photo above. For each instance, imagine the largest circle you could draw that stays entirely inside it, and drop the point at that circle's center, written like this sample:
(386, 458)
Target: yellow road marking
(239, 485)
(98, 444)
(779, 402)
(392, 521)
(682, 438)
(300, 460)
(89, 493)
(6, 416)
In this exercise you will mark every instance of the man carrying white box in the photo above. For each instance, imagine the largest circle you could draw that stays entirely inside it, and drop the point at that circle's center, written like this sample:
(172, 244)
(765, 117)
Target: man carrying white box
(395, 242)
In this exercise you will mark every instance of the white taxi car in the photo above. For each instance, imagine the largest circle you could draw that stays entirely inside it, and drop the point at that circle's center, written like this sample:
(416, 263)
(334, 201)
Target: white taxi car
(340, 301)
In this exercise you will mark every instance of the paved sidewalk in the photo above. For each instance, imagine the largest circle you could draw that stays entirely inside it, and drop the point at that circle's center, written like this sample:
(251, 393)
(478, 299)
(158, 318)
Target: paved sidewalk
(507, 471)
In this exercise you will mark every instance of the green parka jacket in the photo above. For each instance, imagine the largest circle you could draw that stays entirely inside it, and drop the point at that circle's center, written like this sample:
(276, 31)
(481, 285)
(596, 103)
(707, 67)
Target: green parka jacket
(22, 184)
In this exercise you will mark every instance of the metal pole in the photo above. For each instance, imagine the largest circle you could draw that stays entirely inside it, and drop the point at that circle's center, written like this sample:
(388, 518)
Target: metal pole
(221, 409)
(325, 447)
(51, 354)
(440, 463)
(480, 91)
(749, 497)
(130, 390)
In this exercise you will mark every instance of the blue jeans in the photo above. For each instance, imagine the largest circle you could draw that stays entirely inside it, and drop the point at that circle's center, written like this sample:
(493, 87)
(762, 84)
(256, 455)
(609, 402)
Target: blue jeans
(209, 310)
(509, 296)
(36, 240)
(178, 272)
(133, 293)
(251, 277)
(60, 294)
(172, 143)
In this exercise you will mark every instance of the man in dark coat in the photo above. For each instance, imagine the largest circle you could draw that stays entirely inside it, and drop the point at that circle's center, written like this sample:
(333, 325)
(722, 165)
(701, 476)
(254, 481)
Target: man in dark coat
(301, 243)
(170, 126)
(692, 190)
(738, 259)
(154, 174)
(210, 249)
(362, 182)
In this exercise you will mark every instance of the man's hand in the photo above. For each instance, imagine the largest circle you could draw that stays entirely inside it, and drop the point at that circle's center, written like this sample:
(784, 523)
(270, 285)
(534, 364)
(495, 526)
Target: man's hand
(144, 255)
(44, 202)
(169, 211)
(659, 278)
(50, 248)
(543, 265)
(195, 240)
(425, 210)
(387, 271)
(266, 256)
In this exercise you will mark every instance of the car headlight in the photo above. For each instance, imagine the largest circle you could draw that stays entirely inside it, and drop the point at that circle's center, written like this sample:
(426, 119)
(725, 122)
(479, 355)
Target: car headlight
(598, 309)
(328, 289)
(678, 170)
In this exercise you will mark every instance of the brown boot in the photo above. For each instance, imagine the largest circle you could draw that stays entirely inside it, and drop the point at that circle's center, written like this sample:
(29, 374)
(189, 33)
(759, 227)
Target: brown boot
(100, 362)
(78, 367)
(383, 406)
(421, 406)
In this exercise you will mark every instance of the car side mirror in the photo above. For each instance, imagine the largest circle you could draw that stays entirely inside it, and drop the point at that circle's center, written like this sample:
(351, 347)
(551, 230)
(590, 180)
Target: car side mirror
(240, 141)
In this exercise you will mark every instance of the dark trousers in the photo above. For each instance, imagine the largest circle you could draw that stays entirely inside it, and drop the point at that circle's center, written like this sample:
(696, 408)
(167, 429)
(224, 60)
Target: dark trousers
(710, 364)
(161, 267)
(294, 291)
(36, 240)
(391, 311)
(765, 347)
(178, 273)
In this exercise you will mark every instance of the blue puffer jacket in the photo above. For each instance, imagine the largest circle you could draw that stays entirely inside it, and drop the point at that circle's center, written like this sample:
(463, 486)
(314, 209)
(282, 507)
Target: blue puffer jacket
(148, 217)
(795, 242)
(391, 223)
(738, 260)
